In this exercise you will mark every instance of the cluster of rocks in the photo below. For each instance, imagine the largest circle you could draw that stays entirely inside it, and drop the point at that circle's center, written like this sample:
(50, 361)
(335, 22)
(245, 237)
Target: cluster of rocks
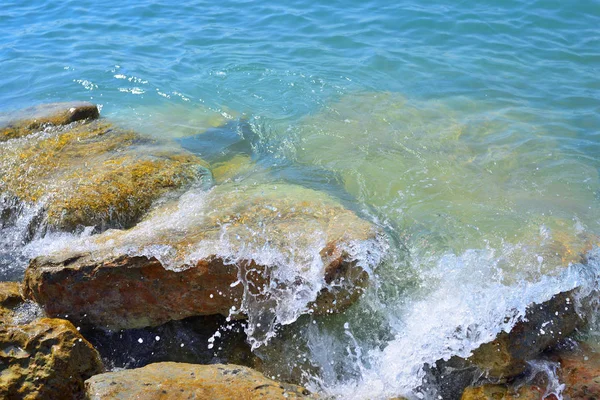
(83, 171)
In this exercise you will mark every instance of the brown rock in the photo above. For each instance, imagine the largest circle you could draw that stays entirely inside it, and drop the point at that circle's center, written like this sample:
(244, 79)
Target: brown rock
(231, 245)
(190, 381)
(45, 359)
(33, 119)
(580, 372)
(502, 392)
(543, 326)
(10, 298)
(91, 174)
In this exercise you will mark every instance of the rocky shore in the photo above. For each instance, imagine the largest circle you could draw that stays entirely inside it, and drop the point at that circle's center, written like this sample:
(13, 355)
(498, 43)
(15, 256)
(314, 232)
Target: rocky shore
(180, 248)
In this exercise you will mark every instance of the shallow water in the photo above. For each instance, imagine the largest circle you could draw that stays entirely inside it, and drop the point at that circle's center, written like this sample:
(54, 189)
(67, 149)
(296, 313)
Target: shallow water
(468, 133)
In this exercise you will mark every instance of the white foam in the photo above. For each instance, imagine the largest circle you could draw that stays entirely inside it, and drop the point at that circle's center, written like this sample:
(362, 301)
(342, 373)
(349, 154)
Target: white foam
(469, 307)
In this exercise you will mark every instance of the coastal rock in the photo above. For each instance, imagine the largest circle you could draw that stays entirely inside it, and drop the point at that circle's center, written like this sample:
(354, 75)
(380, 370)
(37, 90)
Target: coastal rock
(190, 381)
(271, 251)
(33, 119)
(502, 392)
(90, 174)
(544, 325)
(45, 359)
(10, 298)
(579, 371)
(506, 357)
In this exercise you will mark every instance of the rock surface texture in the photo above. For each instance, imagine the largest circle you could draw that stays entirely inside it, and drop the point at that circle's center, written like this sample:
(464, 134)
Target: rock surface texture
(34, 119)
(41, 358)
(88, 173)
(543, 326)
(189, 381)
(284, 249)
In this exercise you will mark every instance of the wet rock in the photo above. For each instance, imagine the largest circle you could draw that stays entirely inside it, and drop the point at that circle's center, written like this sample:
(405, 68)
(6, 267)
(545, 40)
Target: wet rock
(227, 170)
(10, 299)
(34, 119)
(276, 250)
(579, 371)
(507, 357)
(45, 359)
(186, 381)
(90, 174)
(544, 325)
(502, 392)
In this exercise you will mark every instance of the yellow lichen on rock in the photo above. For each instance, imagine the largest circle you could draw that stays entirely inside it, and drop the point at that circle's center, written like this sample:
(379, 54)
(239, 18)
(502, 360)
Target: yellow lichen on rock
(37, 118)
(94, 173)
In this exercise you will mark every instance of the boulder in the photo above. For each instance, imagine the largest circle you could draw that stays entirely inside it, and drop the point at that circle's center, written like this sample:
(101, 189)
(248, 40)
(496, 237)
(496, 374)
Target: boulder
(544, 325)
(175, 381)
(33, 119)
(579, 371)
(10, 299)
(275, 251)
(90, 174)
(503, 392)
(40, 358)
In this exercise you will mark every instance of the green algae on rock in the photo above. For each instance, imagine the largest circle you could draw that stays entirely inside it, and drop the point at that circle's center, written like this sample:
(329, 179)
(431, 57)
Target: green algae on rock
(270, 251)
(33, 119)
(180, 381)
(93, 174)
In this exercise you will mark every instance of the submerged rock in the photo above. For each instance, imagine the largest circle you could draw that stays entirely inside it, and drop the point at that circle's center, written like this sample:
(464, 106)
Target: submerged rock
(40, 358)
(90, 174)
(270, 251)
(187, 381)
(33, 119)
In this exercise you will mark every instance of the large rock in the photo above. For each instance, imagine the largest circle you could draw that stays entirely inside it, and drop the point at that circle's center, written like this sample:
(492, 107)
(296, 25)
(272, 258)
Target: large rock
(33, 119)
(507, 356)
(90, 174)
(544, 325)
(273, 251)
(190, 381)
(40, 358)
(503, 392)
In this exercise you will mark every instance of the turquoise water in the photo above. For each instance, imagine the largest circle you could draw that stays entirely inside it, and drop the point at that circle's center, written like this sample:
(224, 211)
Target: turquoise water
(467, 132)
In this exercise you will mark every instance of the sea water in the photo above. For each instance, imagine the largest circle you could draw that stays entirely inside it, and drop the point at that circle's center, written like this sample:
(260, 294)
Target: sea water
(469, 133)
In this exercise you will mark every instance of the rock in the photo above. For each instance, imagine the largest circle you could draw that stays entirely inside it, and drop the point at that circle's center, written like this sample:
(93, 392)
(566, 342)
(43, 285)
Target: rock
(33, 119)
(45, 359)
(502, 392)
(90, 174)
(227, 170)
(544, 325)
(273, 251)
(579, 371)
(184, 341)
(506, 357)
(10, 298)
(190, 381)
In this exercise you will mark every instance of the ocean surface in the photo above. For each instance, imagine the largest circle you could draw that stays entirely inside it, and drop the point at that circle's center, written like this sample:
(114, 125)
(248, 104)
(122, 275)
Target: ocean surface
(469, 132)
